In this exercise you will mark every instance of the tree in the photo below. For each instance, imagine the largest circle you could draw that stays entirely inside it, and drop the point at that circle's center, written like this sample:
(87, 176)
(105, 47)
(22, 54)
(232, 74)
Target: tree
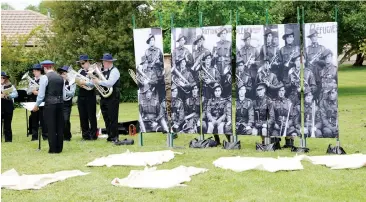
(6, 6)
(42, 8)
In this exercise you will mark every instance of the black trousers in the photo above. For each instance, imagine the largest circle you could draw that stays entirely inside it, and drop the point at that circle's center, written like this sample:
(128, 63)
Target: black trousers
(67, 112)
(87, 112)
(6, 118)
(109, 107)
(36, 119)
(54, 119)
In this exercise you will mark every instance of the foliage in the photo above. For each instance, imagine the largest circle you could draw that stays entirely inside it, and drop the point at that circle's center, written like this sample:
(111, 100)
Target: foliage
(6, 6)
(41, 8)
(363, 47)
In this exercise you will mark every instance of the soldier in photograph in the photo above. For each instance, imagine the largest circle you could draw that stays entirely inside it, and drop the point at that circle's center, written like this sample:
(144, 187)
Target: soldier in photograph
(329, 113)
(209, 76)
(147, 76)
(269, 51)
(243, 76)
(198, 55)
(293, 83)
(287, 53)
(313, 121)
(177, 110)
(163, 117)
(328, 74)
(192, 112)
(281, 107)
(182, 52)
(149, 109)
(309, 81)
(269, 78)
(182, 78)
(244, 113)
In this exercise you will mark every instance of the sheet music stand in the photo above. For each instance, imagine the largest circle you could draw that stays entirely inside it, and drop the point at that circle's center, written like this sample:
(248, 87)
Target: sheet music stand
(23, 97)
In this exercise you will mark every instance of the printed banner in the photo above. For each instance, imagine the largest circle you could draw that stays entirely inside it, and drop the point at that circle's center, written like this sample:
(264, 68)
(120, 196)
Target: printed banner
(268, 80)
(321, 80)
(216, 80)
(187, 48)
(148, 44)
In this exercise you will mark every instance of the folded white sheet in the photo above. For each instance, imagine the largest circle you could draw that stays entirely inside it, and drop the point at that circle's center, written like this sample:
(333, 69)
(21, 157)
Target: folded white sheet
(12, 180)
(240, 164)
(155, 179)
(351, 161)
(135, 159)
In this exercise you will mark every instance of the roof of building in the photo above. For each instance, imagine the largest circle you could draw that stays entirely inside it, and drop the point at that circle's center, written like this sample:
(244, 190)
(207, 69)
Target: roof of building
(21, 22)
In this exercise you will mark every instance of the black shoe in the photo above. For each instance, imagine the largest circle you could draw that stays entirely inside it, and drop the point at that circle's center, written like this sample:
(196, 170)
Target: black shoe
(34, 139)
(115, 139)
(67, 140)
(125, 142)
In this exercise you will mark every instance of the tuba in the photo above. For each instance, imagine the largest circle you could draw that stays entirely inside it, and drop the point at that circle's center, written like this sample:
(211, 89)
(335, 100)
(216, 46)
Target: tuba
(94, 72)
(32, 83)
(75, 77)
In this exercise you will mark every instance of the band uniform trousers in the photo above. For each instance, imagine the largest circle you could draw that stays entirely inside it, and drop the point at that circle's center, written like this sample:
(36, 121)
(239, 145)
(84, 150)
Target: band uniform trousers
(36, 119)
(67, 111)
(54, 119)
(6, 118)
(109, 107)
(87, 106)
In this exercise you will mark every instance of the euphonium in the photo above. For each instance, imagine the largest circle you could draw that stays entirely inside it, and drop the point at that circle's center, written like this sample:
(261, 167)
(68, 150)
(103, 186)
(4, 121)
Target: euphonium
(75, 77)
(105, 92)
(32, 83)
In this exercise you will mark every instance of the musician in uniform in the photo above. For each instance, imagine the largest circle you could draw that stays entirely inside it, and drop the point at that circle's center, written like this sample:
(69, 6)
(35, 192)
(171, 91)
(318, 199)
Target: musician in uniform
(110, 105)
(222, 59)
(250, 56)
(269, 78)
(243, 76)
(87, 103)
(217, 113)
(68, 94)
(177, 110)
(198, 54)
(313, 54)
(293, 83)
(148, 75)
(329, 113)
(328, 74)
(182, 78)
(192, 109)
(269, 52)
(210, 75)
(308, 116)
(8, 93)
(149, 109)
(36, 118)
(263, 112)
(244, 113)
(51, 87)
(156, 62)
(287, 53)
(309, 80)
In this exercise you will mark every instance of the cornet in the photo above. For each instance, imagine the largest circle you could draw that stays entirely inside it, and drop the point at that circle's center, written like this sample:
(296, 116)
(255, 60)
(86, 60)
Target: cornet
(75, 77)
(32, 83)
(105, 92)
(289, 60)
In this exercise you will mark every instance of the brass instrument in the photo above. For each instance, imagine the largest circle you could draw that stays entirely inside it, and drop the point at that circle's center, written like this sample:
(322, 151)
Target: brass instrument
(239, 79)
(316, 57)
(141, 76)
(105, 92)
(32, 83)
(274, 59)
(75, 77)
(198, 61)
(133, 75)
(250, 57)
(180, 77)
(204, 73)
(289, 60)
(7, 91)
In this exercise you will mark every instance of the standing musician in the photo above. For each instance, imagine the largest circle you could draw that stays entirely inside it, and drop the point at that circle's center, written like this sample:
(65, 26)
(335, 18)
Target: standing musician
(37, 117)
(87, 103)
(287, 53)
(243, 76)
(269, 78)
(69, 91)
(110, 105)
(269, 51)
(293, 83)
(210, 76)
(244, 113)
(8, 93)
(198, 54)
(51, 87)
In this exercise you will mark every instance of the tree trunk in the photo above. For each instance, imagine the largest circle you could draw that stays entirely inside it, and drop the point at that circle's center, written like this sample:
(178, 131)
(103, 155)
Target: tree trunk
(347, 55)
(359, 59)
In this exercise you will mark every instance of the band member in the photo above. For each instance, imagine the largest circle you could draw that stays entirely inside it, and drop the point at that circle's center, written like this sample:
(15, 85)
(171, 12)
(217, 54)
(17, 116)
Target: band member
(293, 83)
(210, 75)
(149, 109)
(69, 91)
(312, 124)
(192, 109)
(8, 93)
(182, 78)
(328, 74)
(309, 80)
(263, 112)
(269, 78)
(51, 87)
(36, 118)
(269, 52)
(156, 62)
(217, 113)
(313, 54)
(148, 75)
(177, 110)
(243, 76)
(244, 113)
(222, 58)
(198, 54)
(250, 56)
(329, 113)
(287, 53)
(87, 103)
(182, 52)
(110, 105)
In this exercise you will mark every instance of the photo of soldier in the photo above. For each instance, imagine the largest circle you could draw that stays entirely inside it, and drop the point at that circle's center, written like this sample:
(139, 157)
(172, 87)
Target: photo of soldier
(177, 110)
(147, 75)
(313, 121)
(293, 87)
(149, 108)
(309, 81)
(243, 77)
(269, 50)
(163, 117)
(192, 112)
(329, 112)
(182, 78)
(244, 113)
(209, 75)
(198, 53)
(328, 74)
(270, 79)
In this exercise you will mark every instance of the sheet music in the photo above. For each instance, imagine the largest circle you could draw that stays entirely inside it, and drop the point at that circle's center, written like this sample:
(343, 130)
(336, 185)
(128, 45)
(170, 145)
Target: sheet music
(30, 105)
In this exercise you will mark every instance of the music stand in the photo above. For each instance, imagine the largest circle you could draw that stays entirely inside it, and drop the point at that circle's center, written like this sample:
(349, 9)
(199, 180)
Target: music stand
(23, 97)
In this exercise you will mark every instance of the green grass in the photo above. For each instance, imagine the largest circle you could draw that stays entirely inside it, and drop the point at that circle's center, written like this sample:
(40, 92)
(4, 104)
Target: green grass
(314, 183)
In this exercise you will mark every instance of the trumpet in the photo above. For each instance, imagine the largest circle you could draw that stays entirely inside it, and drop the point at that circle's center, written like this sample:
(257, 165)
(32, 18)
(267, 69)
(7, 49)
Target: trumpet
(32, 83)
(75, 77)
(316, 57)
(289, 60)
(105, 92)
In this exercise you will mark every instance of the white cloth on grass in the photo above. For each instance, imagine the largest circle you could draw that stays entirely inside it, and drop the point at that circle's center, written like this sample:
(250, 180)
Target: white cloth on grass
(351, 161)
(239, 164)
(135, 159)
(152, 178)
(12, 180)
(30, 105)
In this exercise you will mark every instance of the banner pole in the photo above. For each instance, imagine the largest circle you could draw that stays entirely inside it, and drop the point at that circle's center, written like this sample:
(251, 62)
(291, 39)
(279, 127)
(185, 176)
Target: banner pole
(336, 20)
(235, 137)
(266, 16)
(170, 132)
(133, 22)
(202, 136)
(303, 137)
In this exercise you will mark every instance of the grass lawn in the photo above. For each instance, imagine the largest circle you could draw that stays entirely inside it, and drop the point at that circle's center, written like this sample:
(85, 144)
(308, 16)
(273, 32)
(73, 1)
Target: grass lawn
(314, 183)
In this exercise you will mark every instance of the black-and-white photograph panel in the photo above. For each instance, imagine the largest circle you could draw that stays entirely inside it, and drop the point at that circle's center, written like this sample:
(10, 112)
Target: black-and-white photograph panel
(216, 76)
(321, 80)
(148, 44)
(249, 41)
(186, 46)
